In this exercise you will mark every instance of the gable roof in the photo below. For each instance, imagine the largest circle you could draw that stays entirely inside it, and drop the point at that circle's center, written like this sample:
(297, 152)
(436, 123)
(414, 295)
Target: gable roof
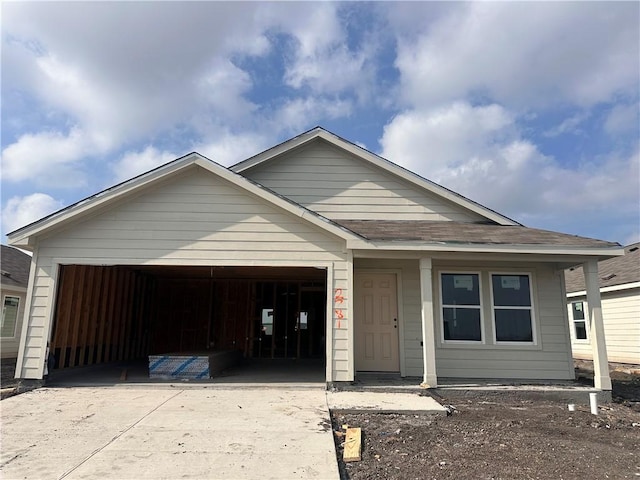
(377, 235)
(613, 272)
(378, 161)
(15, 266)
(23, 236)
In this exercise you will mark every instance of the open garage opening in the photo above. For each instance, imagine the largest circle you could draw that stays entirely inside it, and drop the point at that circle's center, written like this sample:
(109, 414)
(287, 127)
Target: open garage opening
(265, 317)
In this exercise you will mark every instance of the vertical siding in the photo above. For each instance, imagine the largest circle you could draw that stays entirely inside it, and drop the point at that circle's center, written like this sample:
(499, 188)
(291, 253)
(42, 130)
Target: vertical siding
(195, 218)
(339, 185)
(621, 318)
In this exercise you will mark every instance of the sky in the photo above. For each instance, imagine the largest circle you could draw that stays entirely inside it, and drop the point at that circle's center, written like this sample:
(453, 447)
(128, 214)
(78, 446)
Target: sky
(531, 109)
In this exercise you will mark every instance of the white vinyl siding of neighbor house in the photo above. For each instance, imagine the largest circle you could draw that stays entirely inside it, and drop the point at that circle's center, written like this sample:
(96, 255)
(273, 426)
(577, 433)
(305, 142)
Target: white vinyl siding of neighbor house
(621, 318)
(338, 185)
(193, 218)
(546, 358)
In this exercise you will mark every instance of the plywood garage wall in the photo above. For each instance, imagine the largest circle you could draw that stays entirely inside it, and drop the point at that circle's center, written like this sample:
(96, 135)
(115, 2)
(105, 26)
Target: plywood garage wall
(100, 316)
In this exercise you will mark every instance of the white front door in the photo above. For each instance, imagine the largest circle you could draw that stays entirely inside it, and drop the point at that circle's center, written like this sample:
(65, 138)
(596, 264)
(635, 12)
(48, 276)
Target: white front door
(376, 322)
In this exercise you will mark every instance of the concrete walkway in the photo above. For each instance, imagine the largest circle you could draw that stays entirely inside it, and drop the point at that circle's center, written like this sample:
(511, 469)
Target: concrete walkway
(167, 432)
(384, 402)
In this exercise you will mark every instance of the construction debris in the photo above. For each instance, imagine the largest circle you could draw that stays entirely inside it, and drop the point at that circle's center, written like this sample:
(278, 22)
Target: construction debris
(352, 445)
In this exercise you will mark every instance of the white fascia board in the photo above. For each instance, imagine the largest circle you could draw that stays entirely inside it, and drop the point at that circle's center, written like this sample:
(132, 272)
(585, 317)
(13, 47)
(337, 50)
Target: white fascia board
(486, 248)
(378, 161)
(21, 237)
(612, 288)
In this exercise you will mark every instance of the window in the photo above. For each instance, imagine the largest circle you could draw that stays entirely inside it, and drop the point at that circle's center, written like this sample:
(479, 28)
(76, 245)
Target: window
(9, 316)
(512, 308)
(461, 309)
(579, 320)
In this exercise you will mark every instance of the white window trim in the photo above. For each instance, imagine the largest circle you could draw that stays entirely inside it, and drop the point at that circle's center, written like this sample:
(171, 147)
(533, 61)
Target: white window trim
(585, 310)
(483, 337)
(532, 308)
(15, 323)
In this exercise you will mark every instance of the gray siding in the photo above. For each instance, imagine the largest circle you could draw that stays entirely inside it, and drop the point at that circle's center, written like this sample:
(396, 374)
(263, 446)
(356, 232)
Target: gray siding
(549, 359)
(339, 185)
(621, 318)
(195, 218)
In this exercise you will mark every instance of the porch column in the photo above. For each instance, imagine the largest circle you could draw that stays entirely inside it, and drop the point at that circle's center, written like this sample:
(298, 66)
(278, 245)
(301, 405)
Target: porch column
(430, 379)
(601, 377)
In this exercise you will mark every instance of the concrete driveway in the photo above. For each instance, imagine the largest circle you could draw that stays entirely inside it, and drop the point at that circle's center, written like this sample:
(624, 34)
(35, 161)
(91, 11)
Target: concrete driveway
(167, 432)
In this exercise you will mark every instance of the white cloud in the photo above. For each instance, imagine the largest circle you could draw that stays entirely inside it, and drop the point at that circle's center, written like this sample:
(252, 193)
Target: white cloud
(294, 115)
(228, 148)
(623, 118)
(92, 67)
(223, 87)
(133, 164)
(568, 125)
(523, 54)
(434, 140)
(47, 158)
(480, 153)
(21, 211)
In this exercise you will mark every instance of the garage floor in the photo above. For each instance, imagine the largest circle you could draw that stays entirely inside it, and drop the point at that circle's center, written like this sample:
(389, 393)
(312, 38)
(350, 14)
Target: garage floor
(168, 431)
(305, 372)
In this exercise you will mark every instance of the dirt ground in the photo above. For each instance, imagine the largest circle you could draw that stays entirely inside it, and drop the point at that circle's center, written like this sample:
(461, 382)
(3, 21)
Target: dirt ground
(502, 435)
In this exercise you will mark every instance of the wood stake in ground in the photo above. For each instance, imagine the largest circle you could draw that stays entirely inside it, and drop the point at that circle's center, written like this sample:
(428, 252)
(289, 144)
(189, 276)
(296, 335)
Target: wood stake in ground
(352, 445)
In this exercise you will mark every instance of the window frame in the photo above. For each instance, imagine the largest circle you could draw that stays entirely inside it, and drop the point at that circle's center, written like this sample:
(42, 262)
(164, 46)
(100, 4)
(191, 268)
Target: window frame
(480, 308)
(585, 320)
(15, 323)
(531, 308)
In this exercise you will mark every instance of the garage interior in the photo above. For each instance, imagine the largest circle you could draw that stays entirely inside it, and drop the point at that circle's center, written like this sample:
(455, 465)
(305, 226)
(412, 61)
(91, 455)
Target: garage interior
(118, 314)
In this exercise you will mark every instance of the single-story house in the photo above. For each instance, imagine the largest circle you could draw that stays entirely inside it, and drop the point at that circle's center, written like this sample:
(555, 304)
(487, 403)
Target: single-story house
(619, 280)
(14, 270)
(313, 248)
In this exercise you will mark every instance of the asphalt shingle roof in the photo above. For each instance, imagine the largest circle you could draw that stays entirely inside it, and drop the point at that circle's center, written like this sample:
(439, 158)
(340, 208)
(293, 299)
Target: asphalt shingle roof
(466, 233)
(614, 271)
(15, 267)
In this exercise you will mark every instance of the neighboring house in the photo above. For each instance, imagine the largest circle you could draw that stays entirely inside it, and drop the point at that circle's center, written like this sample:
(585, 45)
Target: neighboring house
(14, 266)
(313, 248)
(620, 292)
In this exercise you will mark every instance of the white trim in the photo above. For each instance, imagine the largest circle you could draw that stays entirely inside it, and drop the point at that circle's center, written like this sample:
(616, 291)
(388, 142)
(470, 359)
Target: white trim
(379, 162)
(359, 244)
(351, 370)
(27, 313)
(612, 288)
(15, 322)
(575, 339)
(531, 308)
(427, 323)
(441, 306)
(329, 325)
